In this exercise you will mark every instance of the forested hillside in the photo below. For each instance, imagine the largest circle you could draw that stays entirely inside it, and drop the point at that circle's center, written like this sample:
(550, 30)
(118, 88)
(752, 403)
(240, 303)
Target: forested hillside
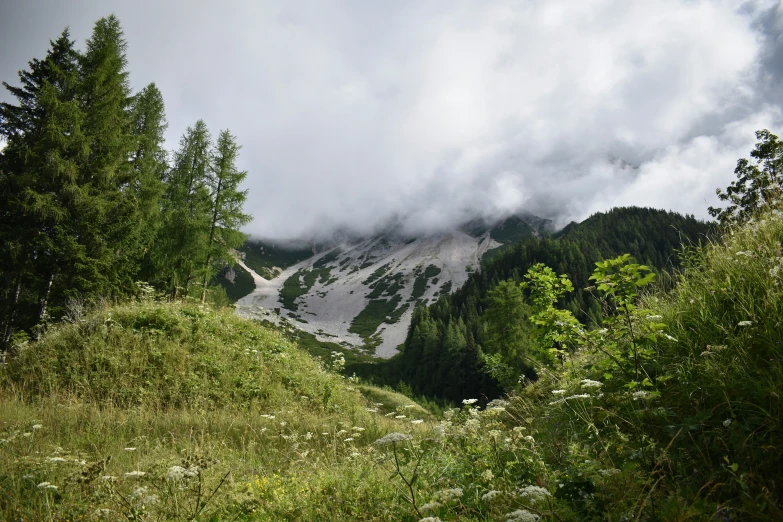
(444, 353)
(91, 205)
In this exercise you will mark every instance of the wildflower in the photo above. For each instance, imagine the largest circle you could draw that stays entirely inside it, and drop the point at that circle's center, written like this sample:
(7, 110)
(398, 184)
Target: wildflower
(487, 475)
(469, 401)
(399, 416)
(417, 421)
(267, 416)
(135, 474)
(430, 519)
(47, 485)
(430, 506)
(349, 439)
(727, 422)
(589, 383)
(308, 436)
(130, 449)
(579, 396)
(669, 337)
(179, 473)
(55, 459)
(558, 392)
(490, 495)
(37, 427)
(534, 493)
(641, 394)
(372, 410)
(654, 317)
(744, 323)
(358, 428)
(447, 495)
(529, 438)
(521, 515)
(391, 438)
(108, 477)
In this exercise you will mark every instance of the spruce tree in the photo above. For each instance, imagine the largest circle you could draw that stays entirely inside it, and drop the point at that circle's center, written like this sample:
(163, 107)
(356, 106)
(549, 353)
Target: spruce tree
(227, 201)
(39, 171)
(109, 224)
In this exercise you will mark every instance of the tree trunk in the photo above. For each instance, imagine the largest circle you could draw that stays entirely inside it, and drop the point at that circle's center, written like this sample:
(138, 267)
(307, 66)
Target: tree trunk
(9, 320)
(211, 238)
(45, 300)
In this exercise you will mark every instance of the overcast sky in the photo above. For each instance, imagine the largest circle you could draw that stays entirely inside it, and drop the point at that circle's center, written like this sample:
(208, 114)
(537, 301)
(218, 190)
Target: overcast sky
(431, 112)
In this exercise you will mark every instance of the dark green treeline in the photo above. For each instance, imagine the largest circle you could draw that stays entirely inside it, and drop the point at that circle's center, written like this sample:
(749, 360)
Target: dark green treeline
(460, 346)
(90, 204)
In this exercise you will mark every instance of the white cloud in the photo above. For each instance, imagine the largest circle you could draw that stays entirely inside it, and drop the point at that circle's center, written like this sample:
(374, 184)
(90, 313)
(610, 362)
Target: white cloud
(354, 112)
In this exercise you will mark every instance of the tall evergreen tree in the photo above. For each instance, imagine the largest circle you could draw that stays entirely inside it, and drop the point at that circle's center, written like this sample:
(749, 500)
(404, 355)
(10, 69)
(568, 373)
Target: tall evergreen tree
(227, 201)
(183, 237)
(150, 165)
(39, 190)
(108, 223)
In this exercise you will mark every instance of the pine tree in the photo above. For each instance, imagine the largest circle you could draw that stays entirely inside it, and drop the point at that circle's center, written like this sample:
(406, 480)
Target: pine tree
(150, 165)
(38, 182)
(109, 224)
(183, 237)
(227, 200)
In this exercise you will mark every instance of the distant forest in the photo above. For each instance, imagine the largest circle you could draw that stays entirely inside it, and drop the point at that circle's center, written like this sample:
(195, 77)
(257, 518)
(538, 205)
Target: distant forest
(91, 205)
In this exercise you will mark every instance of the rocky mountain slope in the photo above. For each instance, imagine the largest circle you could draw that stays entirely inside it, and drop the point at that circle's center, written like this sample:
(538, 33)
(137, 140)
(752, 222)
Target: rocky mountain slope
(361, 292)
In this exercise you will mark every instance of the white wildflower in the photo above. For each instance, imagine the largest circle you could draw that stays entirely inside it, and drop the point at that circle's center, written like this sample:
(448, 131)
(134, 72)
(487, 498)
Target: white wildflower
(399, 416)
(654, 317)
(36, 427)
(469, 401)
(641, 394)
(430, 506)
(497, 403)
(417, 421)
(357, 428)
(727, 422)
(135, 474)
(534, 493)
(487, 475)
(349, 439)
(55, 459)
(447, 495)
(529, 438)
(372, 410)
(130, 449)
(521, 515)
(589, 383)
(109, 477)
(744, 323)
(669, 337)
(558, 392)
(267, 416)
(579, 396)
(47, 485)
(392, 438)
(490, 495)
(430, 519)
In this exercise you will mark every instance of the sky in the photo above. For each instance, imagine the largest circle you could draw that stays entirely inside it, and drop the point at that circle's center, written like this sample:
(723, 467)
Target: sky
(431, 112)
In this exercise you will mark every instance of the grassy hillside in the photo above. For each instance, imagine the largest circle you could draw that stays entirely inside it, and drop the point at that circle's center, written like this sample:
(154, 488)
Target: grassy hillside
(99, 413)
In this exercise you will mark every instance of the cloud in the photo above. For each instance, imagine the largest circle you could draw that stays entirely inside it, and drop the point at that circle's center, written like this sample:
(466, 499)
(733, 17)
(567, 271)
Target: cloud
(354, 113)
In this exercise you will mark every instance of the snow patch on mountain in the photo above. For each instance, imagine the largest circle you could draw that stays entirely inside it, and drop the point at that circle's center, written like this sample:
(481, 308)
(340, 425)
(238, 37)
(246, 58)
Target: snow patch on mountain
(350, 288)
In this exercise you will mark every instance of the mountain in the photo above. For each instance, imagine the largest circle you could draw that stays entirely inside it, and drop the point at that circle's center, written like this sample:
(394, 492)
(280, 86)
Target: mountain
(360, 292)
